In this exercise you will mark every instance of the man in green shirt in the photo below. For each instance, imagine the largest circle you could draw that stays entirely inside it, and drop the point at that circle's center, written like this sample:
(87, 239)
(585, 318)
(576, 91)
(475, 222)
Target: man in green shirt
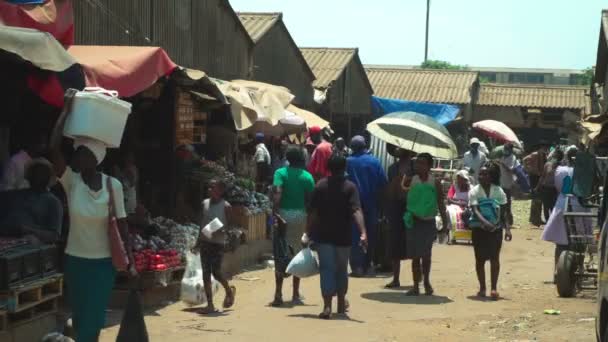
(292, 188)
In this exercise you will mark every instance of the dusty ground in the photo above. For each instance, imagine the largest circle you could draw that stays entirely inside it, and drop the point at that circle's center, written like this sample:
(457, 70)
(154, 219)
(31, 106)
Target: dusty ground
(383, 315)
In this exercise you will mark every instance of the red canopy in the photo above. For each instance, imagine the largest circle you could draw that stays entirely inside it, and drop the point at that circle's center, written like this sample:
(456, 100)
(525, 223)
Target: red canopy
(126, 69)
(54, 16)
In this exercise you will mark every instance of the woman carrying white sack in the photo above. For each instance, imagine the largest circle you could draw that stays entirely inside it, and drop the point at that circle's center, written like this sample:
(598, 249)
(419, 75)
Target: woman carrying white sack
(89, 271)
(555, 230)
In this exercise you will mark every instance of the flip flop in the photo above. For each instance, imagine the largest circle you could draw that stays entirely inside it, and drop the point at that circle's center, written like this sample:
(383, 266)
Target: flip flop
(276, 303)
(494, 295)
(481, 294)
(229, 300)
(428, 291)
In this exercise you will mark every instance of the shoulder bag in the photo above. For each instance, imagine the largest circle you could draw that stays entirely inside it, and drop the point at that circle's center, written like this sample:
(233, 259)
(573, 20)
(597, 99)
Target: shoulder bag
(120, 259)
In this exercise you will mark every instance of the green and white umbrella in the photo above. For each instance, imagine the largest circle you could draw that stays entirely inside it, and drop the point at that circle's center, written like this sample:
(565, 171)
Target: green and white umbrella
(415, 132)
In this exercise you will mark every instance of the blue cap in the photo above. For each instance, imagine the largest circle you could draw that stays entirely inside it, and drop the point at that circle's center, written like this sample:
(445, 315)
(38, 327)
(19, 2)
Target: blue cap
(259, 136)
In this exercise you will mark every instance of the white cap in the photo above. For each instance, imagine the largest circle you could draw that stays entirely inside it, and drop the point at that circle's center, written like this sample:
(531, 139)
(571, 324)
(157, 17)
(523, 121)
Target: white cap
(474, 141)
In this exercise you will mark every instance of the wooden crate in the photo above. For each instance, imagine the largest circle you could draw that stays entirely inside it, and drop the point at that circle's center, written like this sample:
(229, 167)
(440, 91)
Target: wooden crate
(254, 225)
(29, 295)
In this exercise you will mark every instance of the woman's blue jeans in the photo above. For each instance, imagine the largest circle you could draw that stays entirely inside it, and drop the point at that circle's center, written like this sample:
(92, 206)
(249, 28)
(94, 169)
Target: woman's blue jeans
(333, 266)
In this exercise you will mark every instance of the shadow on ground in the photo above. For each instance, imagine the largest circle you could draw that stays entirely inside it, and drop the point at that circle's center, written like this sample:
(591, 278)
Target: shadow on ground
(333, 317)
(401, 298)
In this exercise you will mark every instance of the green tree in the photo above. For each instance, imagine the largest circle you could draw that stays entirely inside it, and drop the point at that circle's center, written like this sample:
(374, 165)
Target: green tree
(436, 64)
(586, 78)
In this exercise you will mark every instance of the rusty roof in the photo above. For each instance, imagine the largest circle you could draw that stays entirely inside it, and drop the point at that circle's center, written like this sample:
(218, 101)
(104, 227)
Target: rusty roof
(424, 85)
(328, 64)
(537, 96)
(257, 24)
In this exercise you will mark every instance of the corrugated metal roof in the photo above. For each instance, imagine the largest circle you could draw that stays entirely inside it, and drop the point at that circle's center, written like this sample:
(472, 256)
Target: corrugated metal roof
(436, 86)
(327, 63)
(257, 24)
(537, 96)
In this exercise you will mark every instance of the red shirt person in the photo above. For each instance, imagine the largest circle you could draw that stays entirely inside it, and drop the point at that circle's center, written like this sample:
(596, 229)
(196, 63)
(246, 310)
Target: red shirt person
(318, 162)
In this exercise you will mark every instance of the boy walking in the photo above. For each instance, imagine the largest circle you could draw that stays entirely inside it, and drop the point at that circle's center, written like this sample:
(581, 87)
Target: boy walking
(212, 249)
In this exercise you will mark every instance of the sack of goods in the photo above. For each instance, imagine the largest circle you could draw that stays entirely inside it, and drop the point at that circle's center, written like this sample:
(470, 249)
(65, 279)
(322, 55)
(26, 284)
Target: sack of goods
(304, 264)
(98, 114)
(192, 289)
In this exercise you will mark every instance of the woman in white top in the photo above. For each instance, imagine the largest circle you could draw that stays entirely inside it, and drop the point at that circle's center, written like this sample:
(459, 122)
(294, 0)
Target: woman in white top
(89, 272)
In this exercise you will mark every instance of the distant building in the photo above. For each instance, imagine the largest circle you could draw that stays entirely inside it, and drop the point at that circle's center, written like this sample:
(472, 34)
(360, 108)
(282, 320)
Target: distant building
(343, 89)
(535, 112)
(276, 57)
(522, 75)
(424, 85)
(529, 76)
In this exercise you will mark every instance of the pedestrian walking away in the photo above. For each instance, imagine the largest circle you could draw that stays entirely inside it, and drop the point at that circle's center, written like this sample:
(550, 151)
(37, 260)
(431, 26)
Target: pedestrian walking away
(334, 208)
(366, 172)
(293, 186)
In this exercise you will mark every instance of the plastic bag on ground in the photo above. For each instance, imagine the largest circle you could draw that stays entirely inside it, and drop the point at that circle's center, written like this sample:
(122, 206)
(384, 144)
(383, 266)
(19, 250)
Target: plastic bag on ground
(133, 327)
(303, 265)
(192, 289)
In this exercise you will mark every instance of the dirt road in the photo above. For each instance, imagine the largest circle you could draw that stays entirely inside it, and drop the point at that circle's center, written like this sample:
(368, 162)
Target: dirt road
(384, 315)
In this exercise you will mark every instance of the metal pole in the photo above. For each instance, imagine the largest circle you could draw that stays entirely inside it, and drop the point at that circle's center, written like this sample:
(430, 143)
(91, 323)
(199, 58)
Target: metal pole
(426, 40)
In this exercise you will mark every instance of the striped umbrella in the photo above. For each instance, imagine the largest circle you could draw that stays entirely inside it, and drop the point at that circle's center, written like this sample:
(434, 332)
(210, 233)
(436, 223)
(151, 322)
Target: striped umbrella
(415, 132)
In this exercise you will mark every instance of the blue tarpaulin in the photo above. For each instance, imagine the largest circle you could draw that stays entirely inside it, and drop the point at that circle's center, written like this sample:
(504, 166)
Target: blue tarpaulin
(442, 113)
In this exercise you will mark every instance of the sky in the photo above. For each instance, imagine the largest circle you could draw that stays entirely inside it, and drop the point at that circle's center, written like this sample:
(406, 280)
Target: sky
(485, 33)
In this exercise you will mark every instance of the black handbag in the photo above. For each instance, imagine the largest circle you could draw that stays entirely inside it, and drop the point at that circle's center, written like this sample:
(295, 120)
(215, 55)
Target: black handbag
(133, 326)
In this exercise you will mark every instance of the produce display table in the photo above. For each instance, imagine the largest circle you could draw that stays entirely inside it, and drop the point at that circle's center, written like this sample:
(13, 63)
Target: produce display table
(254, 225)
(156, 288)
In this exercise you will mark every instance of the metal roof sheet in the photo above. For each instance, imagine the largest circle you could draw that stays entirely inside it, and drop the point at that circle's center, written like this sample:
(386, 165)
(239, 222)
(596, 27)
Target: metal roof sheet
(257, 24)
(327, 63)
(424, 85)
(538, 96)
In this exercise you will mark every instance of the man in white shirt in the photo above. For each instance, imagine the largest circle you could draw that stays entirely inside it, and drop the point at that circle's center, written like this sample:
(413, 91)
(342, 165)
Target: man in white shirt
(13, 175)
(508, 162)
(263, 162)
(474, 159)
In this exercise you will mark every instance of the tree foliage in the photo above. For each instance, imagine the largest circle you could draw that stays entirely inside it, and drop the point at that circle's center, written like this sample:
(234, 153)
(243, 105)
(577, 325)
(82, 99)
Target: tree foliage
(437, 64)
(586, 78)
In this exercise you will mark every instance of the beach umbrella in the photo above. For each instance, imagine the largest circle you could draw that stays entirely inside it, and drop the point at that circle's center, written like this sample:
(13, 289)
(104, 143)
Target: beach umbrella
(415, 132)
(497, 130)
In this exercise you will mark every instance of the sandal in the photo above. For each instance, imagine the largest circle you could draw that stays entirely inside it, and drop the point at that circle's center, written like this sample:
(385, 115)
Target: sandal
(326, 314)
(494, 295)
(229, 300)
(481, 294)
(428, 290)
(392, 285)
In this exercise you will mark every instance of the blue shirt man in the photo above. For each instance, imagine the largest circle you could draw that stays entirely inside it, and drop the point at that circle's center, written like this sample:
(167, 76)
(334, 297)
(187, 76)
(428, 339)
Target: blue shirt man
(367, 173)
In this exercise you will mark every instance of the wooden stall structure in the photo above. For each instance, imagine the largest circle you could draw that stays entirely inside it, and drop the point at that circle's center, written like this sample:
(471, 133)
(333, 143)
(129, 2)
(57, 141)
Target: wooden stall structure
(341, 79)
